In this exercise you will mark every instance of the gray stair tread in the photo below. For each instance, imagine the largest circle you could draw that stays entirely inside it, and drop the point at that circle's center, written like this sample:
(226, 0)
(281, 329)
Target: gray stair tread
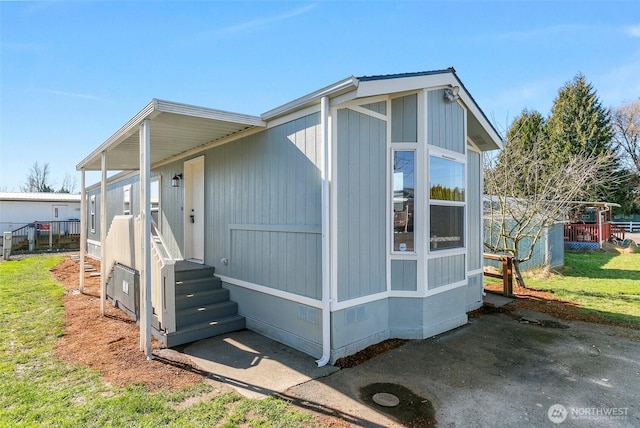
(208, 324)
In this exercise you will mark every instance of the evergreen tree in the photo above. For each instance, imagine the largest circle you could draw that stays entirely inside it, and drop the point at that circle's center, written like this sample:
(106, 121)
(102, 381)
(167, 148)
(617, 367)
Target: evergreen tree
(525, 135)
(580, 125)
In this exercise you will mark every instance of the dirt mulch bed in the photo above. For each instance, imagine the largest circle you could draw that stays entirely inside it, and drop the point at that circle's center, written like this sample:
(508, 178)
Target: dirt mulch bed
(531, 299)
(109, 344)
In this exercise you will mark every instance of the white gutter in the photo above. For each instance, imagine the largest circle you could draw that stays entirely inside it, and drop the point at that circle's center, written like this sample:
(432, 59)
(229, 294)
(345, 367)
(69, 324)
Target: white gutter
(345, 85)
(326, 271)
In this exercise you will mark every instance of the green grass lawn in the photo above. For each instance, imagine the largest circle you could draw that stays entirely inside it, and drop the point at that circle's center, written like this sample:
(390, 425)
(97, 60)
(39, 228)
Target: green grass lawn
(36, 389)
(606, 284)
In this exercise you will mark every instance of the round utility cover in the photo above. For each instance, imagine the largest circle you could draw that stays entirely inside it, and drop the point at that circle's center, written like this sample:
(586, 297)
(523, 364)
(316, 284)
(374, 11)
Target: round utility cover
(385, 399)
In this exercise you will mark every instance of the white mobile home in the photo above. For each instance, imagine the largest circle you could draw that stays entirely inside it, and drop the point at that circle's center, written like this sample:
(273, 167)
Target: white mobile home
(20, 209)
(345, 217)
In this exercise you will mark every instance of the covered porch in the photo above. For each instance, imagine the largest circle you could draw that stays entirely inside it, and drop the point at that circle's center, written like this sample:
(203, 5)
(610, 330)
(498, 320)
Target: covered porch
(162, 132)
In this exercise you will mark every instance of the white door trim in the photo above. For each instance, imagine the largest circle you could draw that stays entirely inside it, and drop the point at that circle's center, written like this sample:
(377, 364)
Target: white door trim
(194, 206)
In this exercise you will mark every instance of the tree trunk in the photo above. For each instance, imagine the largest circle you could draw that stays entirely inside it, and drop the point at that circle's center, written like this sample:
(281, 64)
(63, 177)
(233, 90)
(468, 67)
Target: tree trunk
(517, 274)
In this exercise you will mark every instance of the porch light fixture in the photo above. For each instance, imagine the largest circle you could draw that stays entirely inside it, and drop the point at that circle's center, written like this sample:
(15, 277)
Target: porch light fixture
(451, 94)
(175, 181)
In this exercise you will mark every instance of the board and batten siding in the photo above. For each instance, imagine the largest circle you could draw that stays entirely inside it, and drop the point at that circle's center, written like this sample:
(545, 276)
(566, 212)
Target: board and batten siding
(361, 204)
(445, 122)
(404, 119)
(262, 199)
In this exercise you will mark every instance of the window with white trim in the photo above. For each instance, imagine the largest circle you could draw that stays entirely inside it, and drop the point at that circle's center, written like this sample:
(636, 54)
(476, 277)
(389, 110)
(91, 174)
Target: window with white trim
(446, 202)
(126, 200)
(404, 167)
(92, 215)
(154, 194)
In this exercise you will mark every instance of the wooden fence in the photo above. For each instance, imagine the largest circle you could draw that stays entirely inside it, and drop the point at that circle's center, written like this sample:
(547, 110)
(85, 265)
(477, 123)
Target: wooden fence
(506, 275)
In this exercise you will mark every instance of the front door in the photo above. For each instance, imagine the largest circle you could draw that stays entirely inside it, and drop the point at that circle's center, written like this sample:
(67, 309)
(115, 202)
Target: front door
(194, 210)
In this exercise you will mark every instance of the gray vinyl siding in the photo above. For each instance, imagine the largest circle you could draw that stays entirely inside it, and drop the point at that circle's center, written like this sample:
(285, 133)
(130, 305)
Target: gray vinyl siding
(445, 122)
(474, 214)
(445, 270)
(404, 119)
(355, 328)
(474, 289)
(114, 199)
(361, 204)
(380, 107)
(171, 208)
(404, 275)
(262, 198)
(291, 323)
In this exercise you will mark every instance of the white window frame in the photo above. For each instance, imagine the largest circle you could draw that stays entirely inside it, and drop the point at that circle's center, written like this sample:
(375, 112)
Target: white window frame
(156, 208)
(460, 158)
(92, 215)
(405, 147)
(126, 199)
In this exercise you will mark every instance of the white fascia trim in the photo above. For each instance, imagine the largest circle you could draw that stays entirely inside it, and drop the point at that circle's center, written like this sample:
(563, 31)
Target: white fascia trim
(370, 88)
(114, 179)
(127, 130)
(272, 291)
(207, 113)
(313, 97)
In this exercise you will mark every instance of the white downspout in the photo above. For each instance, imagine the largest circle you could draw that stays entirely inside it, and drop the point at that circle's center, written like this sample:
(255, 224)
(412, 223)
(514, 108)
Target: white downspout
(326, 256)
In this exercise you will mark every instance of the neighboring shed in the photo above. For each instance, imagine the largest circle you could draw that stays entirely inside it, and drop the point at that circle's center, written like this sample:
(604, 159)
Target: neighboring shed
(345, 217)
(20, 209)
(548, 250)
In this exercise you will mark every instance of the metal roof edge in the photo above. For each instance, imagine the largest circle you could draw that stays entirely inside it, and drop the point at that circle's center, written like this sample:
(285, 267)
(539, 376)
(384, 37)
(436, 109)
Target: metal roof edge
(39, 197)
(333, 89)
(207, 113)
(126, 130)
(403, 75)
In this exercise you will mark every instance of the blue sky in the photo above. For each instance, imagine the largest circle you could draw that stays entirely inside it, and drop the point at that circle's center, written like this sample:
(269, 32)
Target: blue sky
(72, 73)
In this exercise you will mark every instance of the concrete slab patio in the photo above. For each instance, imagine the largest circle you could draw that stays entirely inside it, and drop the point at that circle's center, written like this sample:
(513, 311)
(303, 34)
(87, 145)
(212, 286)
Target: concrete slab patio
(513, 369)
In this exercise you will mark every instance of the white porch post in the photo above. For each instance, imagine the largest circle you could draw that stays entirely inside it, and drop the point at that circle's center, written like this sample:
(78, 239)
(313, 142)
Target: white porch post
(103, 232)
(83, 227)
(145, 217)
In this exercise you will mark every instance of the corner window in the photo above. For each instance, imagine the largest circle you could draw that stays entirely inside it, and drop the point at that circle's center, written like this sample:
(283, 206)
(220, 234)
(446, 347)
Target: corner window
(446, 203)
(403, 200)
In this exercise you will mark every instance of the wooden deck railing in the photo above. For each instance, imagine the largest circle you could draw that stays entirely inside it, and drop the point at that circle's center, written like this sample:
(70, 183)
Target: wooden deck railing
(592, 232)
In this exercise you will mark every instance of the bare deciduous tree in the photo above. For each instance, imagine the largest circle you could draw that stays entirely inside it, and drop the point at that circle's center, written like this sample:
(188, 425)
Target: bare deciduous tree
(69, 184)
(38, 179)
(525, 196)
(626, 124)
